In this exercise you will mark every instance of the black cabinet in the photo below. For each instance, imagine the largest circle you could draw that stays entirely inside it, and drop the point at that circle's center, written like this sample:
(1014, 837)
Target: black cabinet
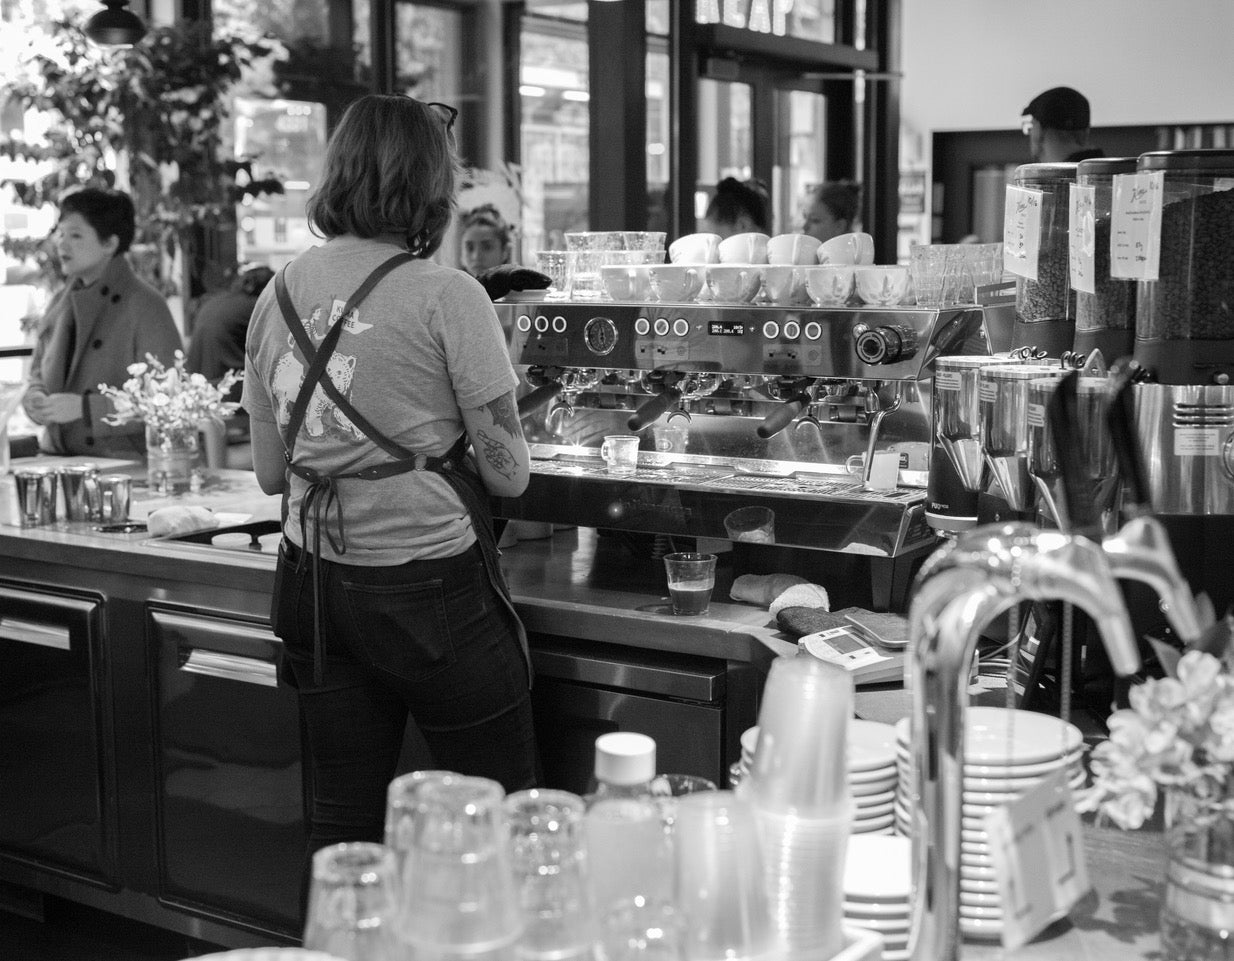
(230, 792)
(57, 778)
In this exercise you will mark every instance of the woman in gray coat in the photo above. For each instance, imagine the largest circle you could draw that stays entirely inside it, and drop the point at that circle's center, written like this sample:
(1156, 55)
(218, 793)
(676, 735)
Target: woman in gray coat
(103, 319)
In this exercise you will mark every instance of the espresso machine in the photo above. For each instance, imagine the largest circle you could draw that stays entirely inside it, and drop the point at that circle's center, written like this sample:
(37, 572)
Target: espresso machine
(735, 406)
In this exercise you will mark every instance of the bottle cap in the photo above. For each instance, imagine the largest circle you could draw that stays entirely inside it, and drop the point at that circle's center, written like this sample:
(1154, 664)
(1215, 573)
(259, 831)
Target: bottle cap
(624, 757)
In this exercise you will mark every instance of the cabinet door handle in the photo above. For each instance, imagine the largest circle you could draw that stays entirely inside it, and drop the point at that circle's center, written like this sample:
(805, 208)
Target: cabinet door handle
(35, 632)
(231, 667)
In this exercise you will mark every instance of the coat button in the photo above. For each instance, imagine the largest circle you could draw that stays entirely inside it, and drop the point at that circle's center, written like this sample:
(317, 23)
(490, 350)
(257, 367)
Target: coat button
(89, 441)
(97, 344)
(115, 298)
(105, 291)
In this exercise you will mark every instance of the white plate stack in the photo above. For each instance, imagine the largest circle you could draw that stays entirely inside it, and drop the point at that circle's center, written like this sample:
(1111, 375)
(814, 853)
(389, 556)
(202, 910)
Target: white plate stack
(1005, 753)
(871, 773)
(872, 776)
(877, 883)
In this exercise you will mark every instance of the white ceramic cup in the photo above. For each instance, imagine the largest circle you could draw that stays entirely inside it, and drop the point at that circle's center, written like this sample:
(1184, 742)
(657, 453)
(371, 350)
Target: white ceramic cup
(782, 282)
(734, 283)
(631, 283)
(830, 285)
(882, 286)
(695, 249)
(620, 453)
(792, 249)
(676, 283)
(749, 248)
(854, 248)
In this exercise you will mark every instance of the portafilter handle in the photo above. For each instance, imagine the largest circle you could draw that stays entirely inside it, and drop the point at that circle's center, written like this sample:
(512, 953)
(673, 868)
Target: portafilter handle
(539, 397)
(650, 411)
(782, 416)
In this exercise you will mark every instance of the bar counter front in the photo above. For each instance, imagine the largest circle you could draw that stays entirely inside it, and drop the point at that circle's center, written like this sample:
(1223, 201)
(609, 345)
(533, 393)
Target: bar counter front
(150, 764)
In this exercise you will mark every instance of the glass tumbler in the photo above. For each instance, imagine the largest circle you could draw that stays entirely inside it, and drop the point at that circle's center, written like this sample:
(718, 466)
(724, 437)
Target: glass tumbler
(353, 901)
(550, 866)
(459, 898)
(554, 264)
(401, 810)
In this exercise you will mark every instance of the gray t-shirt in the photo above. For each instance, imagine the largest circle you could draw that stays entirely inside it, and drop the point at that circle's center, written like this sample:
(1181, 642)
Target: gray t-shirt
(424, 344)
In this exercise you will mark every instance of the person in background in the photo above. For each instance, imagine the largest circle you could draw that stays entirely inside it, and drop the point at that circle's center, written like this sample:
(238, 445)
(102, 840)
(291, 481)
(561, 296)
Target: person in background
(737, 208)
(830, 209)
(102, 320)
(1056, 123)
(222, 321)
(389, 599)
(486, 239)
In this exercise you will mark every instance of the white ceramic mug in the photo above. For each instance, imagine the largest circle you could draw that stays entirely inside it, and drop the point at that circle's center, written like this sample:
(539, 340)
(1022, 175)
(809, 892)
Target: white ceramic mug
(695, 249)
(620, 453)
(676, 283)
(855, 248)
(782, 283)
(792, 249)
(748, 248)
(734, 283)
(830, 285)
(881, 286)
(627, 283)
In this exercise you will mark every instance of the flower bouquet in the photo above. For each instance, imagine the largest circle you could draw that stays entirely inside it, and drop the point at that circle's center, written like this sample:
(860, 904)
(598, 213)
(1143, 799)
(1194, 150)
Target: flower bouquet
(174, 404)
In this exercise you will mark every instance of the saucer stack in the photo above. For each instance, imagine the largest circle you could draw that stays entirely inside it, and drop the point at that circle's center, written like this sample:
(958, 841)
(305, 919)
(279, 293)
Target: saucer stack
(1005, 753)
(872, 776)
(871, 773)
(877, 883)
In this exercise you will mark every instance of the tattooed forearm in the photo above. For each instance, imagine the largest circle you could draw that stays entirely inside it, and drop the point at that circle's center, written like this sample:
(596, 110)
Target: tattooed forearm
(497, 455)
(505, 415)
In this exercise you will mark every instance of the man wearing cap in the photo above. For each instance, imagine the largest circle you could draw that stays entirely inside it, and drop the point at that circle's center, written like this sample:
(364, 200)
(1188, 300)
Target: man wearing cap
(1056, 123)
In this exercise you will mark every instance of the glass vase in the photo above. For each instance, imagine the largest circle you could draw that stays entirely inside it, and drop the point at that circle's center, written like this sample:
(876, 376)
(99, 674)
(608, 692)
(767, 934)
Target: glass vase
(1197, 908)
(171, 456)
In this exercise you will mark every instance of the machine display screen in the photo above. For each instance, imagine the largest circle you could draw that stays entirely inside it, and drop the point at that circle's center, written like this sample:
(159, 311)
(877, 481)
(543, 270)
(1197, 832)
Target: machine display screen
(726, 328)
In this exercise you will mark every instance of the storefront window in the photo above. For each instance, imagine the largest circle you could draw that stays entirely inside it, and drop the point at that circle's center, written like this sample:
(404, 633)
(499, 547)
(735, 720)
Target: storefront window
(808, 19)
(725, 148)
(801, 153)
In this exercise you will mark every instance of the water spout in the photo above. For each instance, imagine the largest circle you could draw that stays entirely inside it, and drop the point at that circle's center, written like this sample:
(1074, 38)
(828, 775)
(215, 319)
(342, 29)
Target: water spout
(961, 588)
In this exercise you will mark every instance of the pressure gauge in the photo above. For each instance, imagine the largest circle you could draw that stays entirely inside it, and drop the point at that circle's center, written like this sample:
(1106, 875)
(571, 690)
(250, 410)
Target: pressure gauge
(600, 335)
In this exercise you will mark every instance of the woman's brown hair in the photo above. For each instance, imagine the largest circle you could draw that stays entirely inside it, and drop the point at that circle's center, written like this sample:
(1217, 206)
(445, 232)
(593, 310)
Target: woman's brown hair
(390, 167)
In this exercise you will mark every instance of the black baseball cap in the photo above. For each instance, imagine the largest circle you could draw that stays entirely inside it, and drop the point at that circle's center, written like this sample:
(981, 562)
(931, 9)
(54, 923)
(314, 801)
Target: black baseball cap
(1060, 108)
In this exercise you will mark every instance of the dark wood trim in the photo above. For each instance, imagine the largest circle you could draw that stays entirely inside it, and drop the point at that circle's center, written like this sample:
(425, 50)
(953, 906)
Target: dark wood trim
(717, 38)
(511, 54)
(617, 111)
(684, 66)
(381, 30)
(881, 203)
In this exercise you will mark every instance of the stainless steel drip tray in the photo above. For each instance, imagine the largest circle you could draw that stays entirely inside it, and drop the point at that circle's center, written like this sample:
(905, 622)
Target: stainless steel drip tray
(821, 487)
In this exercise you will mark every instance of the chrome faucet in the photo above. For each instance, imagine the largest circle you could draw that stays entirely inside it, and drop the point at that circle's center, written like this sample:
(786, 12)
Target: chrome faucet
(961, 588)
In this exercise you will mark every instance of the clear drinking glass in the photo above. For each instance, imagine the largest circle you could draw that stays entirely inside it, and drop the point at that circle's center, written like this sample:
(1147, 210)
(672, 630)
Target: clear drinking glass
(401, 810)
(353, 902)
(555, 265)
(548, 854)
(458, 895)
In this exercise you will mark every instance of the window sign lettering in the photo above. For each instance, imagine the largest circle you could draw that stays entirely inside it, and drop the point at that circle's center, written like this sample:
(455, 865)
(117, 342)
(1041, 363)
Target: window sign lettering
(1082, 244)
(1135, 226)
(1022, 231)
(760, 16)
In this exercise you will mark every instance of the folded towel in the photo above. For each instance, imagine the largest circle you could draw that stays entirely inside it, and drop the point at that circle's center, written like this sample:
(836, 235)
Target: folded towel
(800, 621)
(180, 520)
(762, 589)
(801, 595)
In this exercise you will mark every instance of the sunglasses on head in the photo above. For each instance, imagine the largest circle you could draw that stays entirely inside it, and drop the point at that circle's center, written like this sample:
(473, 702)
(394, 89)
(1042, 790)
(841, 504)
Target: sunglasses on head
(447, 113)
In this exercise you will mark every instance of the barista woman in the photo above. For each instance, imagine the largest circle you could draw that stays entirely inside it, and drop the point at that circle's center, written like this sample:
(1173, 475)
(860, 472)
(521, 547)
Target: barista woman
(737, 208)
(370, 371)
(103, 319)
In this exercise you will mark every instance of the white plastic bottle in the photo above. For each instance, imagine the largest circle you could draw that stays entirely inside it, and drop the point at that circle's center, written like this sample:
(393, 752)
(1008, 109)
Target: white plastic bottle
(629, 853)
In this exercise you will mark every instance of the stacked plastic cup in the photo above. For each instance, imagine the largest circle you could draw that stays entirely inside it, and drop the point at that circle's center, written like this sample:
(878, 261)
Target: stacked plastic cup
(799, 791)
(459, 898)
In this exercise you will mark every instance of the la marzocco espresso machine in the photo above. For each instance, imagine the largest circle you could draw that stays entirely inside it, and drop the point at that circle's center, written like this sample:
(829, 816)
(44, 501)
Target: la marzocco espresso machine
(777, 409)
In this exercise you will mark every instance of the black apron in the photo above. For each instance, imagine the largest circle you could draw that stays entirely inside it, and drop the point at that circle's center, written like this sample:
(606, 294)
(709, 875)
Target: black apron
(324, 491)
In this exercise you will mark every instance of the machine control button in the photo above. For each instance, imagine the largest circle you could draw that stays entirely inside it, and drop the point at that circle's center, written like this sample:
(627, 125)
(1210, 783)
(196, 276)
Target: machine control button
(681, 326)
(886, 345)
(523, 323)
(771, 330)
(792, 329)
(600, 335)
(814, 330)
(542, 323)
(642, 326)
(660, 326)
(559, 324)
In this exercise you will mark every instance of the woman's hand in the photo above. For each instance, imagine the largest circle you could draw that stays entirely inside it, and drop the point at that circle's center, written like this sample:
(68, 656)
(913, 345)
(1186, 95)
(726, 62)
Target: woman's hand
(53, 408)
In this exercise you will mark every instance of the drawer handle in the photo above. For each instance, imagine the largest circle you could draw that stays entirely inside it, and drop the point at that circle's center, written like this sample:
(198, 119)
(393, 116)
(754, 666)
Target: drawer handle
(231, 667)
(34, 632)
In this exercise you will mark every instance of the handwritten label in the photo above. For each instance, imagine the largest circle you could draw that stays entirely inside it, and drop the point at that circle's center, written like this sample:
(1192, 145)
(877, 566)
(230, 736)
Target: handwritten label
(1135, 226)
(1036, 415)
(1022, 231)
(1197, 441)
(987, 392)
(947, 380)
(1082, 246)
(1037, 852)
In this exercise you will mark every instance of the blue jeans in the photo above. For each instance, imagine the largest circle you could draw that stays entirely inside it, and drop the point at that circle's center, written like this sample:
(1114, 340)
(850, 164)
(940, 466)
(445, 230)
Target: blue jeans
(427, 641)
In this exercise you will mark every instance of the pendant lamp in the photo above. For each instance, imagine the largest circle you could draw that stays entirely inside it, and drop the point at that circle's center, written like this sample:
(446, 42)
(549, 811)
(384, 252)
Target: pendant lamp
(115, 26)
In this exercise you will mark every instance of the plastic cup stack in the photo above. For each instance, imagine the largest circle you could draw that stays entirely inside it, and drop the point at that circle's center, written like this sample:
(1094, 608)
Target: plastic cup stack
(798, 787)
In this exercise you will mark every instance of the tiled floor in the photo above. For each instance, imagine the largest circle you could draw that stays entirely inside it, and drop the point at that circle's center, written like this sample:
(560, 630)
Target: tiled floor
(75, 933)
